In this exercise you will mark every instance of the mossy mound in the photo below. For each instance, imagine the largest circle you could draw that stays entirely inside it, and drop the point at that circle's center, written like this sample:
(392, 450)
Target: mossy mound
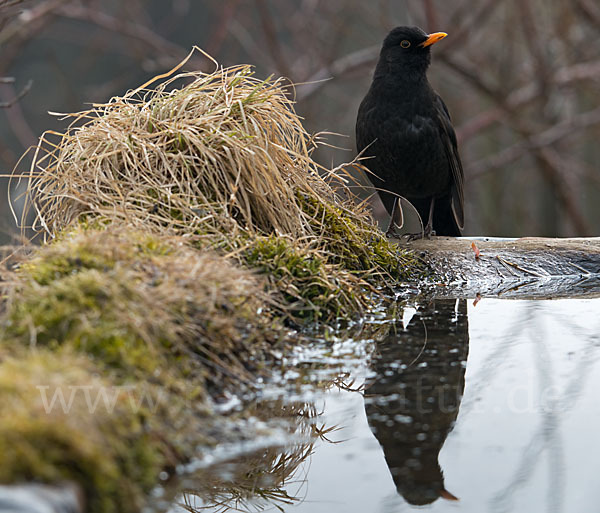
(187, 223)
(309, 285)
(223, 159)
(141, 304)
(112, 455)
(135, 333)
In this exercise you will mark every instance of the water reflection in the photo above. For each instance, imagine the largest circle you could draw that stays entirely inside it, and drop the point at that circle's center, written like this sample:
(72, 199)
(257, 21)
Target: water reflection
(522, 438)
(252, 482)
(255, 479)
(413, 398)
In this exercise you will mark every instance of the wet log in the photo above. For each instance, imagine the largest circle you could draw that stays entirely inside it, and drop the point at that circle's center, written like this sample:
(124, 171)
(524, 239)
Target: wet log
(525, 268)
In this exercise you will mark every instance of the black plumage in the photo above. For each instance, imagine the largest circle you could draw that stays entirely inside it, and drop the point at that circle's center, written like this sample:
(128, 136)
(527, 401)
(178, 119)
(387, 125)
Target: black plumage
(404, 133)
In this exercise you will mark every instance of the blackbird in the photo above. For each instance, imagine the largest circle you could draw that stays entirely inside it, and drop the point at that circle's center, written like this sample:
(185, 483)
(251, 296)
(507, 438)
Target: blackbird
(404, 133)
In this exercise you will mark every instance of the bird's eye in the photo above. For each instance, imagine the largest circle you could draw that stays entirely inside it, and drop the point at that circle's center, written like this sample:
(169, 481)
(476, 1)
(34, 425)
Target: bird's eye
(405, 43)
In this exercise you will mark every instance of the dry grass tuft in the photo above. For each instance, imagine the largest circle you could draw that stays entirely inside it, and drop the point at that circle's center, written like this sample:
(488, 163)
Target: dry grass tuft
(201, 152)
(223, 158)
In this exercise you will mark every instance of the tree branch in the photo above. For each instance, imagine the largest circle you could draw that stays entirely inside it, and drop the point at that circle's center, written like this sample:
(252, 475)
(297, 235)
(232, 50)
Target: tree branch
(545, 139)
(24, 91)
(273, 41)
(521, 97)
(338, 68)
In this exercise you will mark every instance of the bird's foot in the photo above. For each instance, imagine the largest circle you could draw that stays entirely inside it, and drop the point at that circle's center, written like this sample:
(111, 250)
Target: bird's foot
(429, 231)
(392, 232)
(425, 234)
(409, 237)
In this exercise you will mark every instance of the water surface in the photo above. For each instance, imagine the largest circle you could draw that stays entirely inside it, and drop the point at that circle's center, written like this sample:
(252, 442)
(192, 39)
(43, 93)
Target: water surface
(452, 405)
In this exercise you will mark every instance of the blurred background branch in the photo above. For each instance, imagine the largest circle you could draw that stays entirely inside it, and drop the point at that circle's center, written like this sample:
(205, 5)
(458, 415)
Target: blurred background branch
(18, 96)
(521, 79)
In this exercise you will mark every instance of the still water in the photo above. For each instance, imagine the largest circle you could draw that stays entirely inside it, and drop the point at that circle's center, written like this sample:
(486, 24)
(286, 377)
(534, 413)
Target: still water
(449, 405)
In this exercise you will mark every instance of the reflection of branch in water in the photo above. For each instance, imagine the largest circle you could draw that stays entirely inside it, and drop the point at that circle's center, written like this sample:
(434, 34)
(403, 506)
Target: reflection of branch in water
(587, 331)
(347, 386)
(255, 481)
(322, 432)
(262, 479)
(547, 435)
(251, 483)
(551, 421)
(489, 367)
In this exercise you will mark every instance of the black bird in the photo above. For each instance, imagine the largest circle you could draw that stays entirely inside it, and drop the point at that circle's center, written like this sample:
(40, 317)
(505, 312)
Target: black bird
(405, 133)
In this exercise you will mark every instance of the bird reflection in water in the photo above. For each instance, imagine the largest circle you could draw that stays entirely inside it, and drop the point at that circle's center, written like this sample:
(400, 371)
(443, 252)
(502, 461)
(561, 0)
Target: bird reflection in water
(413, 399)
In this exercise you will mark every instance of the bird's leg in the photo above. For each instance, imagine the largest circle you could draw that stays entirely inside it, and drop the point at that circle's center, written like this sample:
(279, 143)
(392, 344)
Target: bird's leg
(397, 215)
(426, 232)
(429, 228)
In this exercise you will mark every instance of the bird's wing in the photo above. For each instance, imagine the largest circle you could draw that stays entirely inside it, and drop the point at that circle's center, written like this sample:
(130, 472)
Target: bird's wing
(364, 135)
(450, 147)
(366, 141)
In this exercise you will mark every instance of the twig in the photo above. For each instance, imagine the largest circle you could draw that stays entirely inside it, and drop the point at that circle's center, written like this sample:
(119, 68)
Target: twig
(532, 41)
(590, 9)
(501, 260)
(587, 273)
(431, 15)
(219, 33)
(274, 43)
(24, 91)
(547, 138)
(474, 23)
(553, 172)
(34, 15)
(338, 68)
(16, 118)
(550, 161)
(126, 28)
(519, 268)
(521, 97)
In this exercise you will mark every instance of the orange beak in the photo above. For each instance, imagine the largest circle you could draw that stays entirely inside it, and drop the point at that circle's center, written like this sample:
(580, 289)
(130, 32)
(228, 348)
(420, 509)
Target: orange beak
(445, 494)
(433, 38)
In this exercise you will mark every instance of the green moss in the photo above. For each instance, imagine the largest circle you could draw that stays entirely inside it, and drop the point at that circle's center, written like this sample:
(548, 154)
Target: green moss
(142, 312)
(139, 304)
(110, 454)
(34, 450)
(302, 276)
(84, 310)
(276, 254)
(356, 244)
(67, 255)
(331, 274)
(84, 293)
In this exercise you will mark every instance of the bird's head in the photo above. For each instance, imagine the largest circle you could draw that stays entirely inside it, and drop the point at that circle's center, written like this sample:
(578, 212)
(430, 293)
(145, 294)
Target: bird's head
(408, 48)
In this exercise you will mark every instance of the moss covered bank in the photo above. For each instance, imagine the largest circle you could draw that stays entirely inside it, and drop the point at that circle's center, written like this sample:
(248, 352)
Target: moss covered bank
(187, 230)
